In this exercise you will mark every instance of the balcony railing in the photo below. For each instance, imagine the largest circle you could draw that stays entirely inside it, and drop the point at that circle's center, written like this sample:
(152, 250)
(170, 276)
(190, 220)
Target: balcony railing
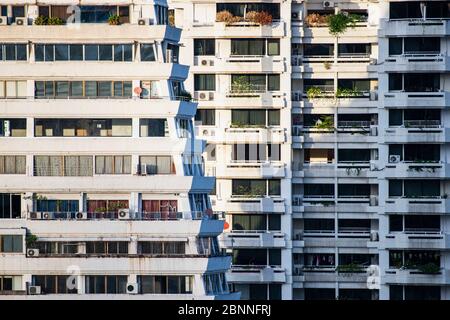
(247, 88)
(149, 216)
(422, 123)
(134, 98)
(354, 124)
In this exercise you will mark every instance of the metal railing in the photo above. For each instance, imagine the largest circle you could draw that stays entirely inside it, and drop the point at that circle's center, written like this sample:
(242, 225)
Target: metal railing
(113, 215)
(68, 97)
(354, 124)
(422, 123)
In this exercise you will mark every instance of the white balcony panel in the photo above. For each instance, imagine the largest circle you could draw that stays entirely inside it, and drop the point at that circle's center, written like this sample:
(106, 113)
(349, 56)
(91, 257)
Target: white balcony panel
(414, 27)
(249, 274)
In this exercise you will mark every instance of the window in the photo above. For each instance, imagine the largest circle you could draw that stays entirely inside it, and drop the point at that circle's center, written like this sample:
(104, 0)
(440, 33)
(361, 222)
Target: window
(199, 202)
(106, 284)
(208, 246)
(158, 164)
(10, 206)
(82, 127)
(56, 205)
(13, 89)
(204, 82)
(273, 83)
(13, 127)
(313, 225)
(255, 222)
(107, 247)
(13, 52)
(12, 164)
(215, 283)
(325, 49)
(96, 89)
(414, 188)
(255, 82)
(248, 187)
(161, 14)
(165, 284)
(354, 49)
(55, 284)
(273, 47)
(83, 52)
(205, 117)
(161, 247)
(414, 82)
(63, 166)
(204, 47)
(184, 128)
(147, 52)
(153, 128)
(248, 47)
(241, 9)
(11, 243)
(252, 117)
(113, 165)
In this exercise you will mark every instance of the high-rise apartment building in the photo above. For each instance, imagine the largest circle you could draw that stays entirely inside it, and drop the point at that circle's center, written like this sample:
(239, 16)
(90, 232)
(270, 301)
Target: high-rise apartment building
(102, 191)
(326, 128)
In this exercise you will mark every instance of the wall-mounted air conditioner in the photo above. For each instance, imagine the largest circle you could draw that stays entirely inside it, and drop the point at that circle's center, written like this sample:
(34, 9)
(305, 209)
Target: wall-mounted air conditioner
(3, 21)
(124, 214)
(33, 253)
(21, 21)
(81, 215)
(132, 288)
(143, 22)
(34, 290)
(206, 96)
(328, 4)
(394, 158)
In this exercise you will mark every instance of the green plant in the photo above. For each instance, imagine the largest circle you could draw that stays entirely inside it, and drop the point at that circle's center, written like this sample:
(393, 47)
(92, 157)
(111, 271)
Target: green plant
(429, 268)
(30, 240)
(327, 65)
(339, 23)
(347, 92)
(114, 19)
(314, 92)
(185, 96)
(241, 84)
(41, 21)
(349, 268)
(325, 122)
(55, 21)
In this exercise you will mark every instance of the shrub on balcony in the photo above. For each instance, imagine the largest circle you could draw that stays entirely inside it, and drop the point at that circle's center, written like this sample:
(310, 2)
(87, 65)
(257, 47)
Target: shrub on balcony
(227, 17)
(41, 21)
(339, 23)
(325, 122)
(55, 21)
(241, 85)
(263, 18)
(347, 92)
(429, 268)
(185, 96)
(114, 20)
(316, 20)
(314, 92)
(349, 268)
(30, 240)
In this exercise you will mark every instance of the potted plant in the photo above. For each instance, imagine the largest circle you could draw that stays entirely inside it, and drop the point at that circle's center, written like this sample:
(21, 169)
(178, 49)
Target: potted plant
(227, 17)
(30, 240)
(429, 268)
(185, 96)
(339, 23)
(114, 20)
(41, 21)
(313, 92)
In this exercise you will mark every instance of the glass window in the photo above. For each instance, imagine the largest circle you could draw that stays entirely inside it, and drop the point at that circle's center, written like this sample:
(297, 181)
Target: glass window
(61, 52)
(76, 52)
(204, 47)
(273, 47)
(91, 52)
(204, 82)
(206, 117)
(273, 117)
(147, 52)
(105, 52)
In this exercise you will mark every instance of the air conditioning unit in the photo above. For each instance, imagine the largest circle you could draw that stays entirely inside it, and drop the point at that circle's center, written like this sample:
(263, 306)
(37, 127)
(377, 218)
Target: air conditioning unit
(294, 15)
(143, 22)
(3, 21)
(32, 252)
(373, 202)
(142, 169)
(132, 288)
(21, 21)
(373, 96)
(206, 96)
(35, 215)
(33, 290)
(328, 4)
(81, 215)
(205, 62)
(373, 131)
(394, 158)
(46, 215)
(124, 214)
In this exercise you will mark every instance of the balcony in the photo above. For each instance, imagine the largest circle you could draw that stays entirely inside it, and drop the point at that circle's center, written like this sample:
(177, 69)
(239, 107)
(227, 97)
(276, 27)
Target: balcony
(417, 134)
(416, 239)
(222, 30)
(256, 273)
(417, 170)
(354, 169)
(417, 62)
(414, 277)
(440, 99)
(253, 239)
(414, 27)
(260, 135)
(241, 63)
(90, 32)
(437, 205)
(249, 169)
(329, 274)
(252, 204)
